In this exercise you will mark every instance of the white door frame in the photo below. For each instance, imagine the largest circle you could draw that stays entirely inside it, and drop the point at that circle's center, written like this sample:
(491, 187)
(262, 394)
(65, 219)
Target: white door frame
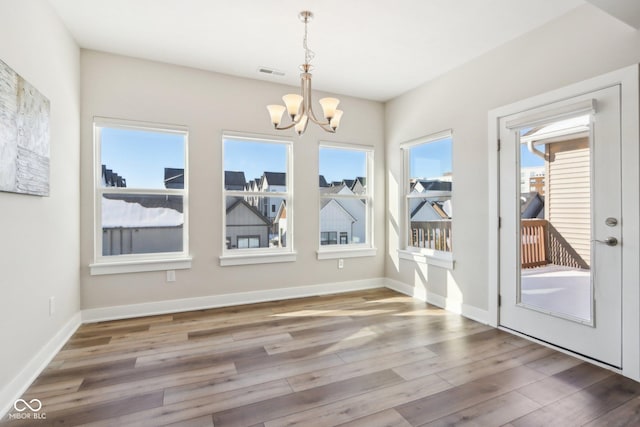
(629, 79)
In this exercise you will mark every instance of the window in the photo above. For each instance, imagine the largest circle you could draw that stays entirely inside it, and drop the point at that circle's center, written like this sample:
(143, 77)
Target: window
(428, 191)
(256, 197)
(346, 200)
(328, 238)
(248, 242)
(141, 195)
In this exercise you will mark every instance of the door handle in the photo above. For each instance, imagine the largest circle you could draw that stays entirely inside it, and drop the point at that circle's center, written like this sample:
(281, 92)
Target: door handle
(609, 241)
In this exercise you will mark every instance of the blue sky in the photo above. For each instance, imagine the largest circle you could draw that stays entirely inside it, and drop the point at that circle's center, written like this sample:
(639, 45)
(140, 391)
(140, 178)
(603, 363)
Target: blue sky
(254, 158)
(431, 160)
(141, 156)
(337, 164)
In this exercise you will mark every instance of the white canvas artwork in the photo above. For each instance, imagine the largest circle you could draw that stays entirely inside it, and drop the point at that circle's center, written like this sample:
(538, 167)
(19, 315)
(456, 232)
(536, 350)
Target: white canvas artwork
(24, 135)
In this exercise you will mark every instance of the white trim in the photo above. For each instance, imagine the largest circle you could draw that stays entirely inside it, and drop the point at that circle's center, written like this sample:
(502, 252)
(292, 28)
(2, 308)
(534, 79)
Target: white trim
(454, 306)
(345, 145)
(261, 257)
(21, 382)
(116, 123)
(346, 253)
(254, 137)
(448, 133)
(546, 115)
(139, 266)
(226, 300)
(429, 256)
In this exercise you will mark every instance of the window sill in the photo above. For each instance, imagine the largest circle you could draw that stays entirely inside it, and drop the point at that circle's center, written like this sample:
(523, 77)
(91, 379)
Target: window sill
(431, 257)
(138, 266)
(346, 253)
(263, 258)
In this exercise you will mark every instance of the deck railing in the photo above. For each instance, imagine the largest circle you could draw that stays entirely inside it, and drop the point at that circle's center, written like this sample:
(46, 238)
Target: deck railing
(431, 234)
(542, 244)
(533, 252)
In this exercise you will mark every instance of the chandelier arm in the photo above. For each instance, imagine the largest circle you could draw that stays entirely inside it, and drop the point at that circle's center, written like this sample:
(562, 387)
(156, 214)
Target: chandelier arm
(313, 118)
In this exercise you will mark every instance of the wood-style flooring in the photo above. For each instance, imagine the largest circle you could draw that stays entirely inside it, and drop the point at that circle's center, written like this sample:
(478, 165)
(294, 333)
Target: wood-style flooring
(371, 358)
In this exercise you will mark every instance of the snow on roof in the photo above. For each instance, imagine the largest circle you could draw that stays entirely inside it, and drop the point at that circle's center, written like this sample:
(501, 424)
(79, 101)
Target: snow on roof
(118, 213)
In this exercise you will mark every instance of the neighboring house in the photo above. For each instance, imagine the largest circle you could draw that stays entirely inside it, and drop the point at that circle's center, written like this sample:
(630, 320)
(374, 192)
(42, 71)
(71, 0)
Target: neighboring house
(336, 223)
(134, 224)
(331, 218)
(112, 179)
(359, 185)
(280, 224)
(246, 227)
(322, 181)
(271, 182)
(234, 180)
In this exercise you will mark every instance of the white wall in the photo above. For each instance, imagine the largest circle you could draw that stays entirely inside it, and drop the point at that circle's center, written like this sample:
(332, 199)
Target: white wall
(584, 43)
(39, 253)
(208, 103)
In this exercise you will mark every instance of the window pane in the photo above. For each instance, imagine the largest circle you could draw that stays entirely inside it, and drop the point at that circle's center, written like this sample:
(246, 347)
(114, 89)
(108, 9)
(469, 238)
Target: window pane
(430, 223)
(344, 217)
(138, 224)
(430, 176)
(249, 224)
(343, 168)
(430, 161)
(142, 159)
(255, 166)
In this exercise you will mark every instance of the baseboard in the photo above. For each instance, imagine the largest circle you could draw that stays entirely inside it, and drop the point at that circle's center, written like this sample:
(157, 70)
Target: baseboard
(466, 310)
(199, 303)
(16, 387)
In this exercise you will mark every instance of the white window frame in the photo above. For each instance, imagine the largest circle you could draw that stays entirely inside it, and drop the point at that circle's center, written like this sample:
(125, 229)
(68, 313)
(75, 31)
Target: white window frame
(247, 256)
(351, 250)
(132, 263)
(434, 257)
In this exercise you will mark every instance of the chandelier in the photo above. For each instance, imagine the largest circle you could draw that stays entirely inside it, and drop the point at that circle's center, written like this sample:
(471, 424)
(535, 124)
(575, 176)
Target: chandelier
(299, 106)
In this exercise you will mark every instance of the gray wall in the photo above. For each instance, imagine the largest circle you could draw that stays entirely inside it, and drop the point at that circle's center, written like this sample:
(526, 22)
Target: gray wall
(583, 43)
(39, 254)
(208, 103)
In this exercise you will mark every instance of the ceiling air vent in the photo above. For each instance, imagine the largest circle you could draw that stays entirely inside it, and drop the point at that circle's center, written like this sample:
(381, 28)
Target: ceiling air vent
(267, 70)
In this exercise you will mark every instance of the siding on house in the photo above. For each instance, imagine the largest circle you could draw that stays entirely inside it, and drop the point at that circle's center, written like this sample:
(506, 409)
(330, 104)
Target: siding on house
(568, 198)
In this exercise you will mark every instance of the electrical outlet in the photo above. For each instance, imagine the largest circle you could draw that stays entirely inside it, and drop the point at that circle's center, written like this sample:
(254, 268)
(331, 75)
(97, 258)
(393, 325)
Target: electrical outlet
(52, 306)
(171, 275)
(340, 263)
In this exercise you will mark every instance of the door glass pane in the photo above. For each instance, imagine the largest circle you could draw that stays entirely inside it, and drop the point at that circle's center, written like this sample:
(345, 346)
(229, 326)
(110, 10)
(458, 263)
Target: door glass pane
(555, 219)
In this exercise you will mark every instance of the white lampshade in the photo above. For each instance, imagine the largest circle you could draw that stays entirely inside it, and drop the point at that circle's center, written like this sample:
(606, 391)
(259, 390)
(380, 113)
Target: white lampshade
(302, 125)
(292, 101)
(335, 122)
(329, 106)
(275, 111)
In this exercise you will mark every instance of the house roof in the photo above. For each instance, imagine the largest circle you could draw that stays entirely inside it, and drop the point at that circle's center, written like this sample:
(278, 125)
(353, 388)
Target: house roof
(149, 200)
(174, 177)
(234, 180)
(242, 202)
(112, 179)
(433, 185)
(119, 213)
(322, 181)
(275, 178)
(327, 202)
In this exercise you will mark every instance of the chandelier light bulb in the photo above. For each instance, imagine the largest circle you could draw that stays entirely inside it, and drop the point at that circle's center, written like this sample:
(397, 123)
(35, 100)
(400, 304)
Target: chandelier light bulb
(329, 106)
(293, 102)
(276, 111)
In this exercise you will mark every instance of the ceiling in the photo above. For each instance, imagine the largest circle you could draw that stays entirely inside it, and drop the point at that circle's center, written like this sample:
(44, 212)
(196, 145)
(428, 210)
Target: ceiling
(370, 49)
